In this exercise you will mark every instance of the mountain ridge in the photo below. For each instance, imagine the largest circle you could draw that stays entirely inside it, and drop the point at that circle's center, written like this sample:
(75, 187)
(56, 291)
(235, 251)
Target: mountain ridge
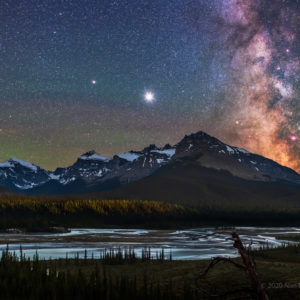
(92, 171)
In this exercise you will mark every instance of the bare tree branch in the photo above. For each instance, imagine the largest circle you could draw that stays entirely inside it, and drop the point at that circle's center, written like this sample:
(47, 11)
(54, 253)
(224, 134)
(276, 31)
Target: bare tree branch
(248, 266)
(216, 260)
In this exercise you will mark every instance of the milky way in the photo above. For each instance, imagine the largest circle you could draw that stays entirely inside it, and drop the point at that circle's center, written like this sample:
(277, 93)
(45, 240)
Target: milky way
(74, 75)
(263, 96)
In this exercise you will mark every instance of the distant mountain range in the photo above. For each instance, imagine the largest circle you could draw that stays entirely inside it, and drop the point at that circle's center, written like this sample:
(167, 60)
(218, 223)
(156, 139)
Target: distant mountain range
(200, 153)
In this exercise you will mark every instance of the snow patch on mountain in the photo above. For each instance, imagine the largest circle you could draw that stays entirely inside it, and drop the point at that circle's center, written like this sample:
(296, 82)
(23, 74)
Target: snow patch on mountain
(26, 186)
(160, 160)
(129, 156)
(229, 149)
(168, 152)
(243, 150)
(95, 156)
(6, 164)
(23, 163)
(54, 177)
(66, 181)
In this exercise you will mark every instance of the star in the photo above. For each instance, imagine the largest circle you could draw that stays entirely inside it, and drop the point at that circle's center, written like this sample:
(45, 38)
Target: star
(293, 138)
(149, 97)
(94, 82)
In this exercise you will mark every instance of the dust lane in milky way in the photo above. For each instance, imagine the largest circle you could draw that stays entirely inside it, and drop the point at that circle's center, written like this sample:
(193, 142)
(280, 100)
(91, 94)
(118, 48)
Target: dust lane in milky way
(118, 75)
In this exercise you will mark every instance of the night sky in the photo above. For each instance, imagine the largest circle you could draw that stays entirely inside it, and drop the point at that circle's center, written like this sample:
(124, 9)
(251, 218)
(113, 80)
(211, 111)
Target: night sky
(118, 75)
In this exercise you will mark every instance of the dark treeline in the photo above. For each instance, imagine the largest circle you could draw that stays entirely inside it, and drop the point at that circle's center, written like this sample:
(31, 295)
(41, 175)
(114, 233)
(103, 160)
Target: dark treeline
(38, 212)
(44, 211)
(23, 278)
(121, 256)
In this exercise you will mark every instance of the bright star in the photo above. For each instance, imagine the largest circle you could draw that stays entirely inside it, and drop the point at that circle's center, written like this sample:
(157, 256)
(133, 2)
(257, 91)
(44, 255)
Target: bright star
(149, 96)
(294, 138)
(94, 81)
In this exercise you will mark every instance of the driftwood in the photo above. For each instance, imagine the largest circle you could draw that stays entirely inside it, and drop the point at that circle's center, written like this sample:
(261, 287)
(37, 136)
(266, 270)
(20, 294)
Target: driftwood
(248, 266)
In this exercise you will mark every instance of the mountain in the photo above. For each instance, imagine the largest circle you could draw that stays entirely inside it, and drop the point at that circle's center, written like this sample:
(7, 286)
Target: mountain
(209, 152)
(204, 172)
(95, 173)
(17, 174)
(190, 184)
(91, 170)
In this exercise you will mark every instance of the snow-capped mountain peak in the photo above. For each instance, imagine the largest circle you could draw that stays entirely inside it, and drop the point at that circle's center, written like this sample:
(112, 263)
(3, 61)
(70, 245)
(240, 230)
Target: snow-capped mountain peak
(23, 163)
(92, 155)
(10, 163)
(20, 174)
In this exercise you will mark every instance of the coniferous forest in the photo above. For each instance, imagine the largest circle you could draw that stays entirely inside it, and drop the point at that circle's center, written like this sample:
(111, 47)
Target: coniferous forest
(34, 213)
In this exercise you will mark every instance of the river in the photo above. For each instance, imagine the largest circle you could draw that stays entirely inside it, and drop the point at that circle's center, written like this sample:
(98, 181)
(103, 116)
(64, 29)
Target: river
(191, 244)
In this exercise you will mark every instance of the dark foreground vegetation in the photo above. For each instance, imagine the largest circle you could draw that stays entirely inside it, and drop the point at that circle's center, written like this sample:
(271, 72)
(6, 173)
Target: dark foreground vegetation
(121, 275)
(36, 213)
